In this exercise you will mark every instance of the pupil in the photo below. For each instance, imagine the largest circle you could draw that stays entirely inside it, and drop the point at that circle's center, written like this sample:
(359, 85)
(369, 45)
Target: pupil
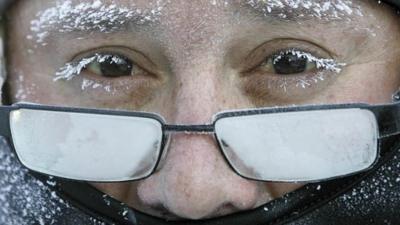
(116, 66)
(289, 63)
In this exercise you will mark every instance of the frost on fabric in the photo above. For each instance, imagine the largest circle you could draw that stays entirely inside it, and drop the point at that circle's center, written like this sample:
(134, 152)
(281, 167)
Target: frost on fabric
(26, 200)
(91, 15)
(323, 10)
(375, 200)
(378, 191)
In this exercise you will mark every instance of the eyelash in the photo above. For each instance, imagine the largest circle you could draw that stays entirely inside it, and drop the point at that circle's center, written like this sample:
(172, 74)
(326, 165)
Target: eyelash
(72, 69)
(321, 63)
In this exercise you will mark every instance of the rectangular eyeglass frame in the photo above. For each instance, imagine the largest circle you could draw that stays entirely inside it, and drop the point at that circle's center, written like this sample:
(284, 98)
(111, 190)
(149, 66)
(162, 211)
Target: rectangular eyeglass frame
(387, 116)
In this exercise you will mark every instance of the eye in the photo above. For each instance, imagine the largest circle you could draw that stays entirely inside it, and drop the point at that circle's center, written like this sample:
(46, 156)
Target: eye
(111, 66)
(289, 62)
(111, 75)
(100, 65)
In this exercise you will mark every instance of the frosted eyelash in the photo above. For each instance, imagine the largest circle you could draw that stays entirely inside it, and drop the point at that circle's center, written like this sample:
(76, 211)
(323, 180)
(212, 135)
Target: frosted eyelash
(71, 69)
(321, 63)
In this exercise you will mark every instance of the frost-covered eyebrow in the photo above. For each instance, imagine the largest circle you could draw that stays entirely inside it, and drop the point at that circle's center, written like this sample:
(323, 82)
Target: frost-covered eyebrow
(93, 16)
(302, 10)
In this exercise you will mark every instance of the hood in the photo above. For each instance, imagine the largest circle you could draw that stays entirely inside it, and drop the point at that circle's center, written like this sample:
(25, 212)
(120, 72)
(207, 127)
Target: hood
(27, 200)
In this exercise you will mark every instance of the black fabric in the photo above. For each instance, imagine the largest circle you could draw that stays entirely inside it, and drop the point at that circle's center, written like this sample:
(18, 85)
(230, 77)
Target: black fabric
(4, 5)
(395, 3)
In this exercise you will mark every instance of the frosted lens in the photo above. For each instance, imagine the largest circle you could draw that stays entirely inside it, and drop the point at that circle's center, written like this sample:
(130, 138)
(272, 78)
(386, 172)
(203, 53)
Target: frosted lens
(86, 146)
(300, 146)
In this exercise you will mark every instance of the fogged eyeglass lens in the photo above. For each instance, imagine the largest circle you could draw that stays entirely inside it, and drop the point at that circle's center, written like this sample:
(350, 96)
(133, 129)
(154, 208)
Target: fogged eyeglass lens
(86, 146)
(299, 146)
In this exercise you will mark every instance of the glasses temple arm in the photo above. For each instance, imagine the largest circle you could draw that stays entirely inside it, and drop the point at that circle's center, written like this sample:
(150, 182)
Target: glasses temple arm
(388, 117)
(5, 130)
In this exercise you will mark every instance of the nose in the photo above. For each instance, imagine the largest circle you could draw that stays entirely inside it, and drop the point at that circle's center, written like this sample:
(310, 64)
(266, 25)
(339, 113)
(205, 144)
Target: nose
(195, 181)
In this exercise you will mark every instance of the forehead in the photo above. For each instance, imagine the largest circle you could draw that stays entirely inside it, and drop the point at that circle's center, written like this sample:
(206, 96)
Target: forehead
(197, 17)
(201, 9)
(195, 25)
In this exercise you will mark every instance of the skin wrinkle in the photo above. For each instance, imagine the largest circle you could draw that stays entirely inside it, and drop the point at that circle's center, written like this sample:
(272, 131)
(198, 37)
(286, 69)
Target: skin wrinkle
(194, 46)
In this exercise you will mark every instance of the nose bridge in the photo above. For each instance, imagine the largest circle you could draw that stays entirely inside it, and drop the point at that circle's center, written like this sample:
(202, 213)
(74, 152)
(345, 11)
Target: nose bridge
(196, 95)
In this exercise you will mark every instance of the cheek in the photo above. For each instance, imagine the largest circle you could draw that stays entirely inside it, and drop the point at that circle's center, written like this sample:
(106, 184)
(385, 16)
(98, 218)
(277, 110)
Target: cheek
(373, 83)
(23, 88)
(28, 89)
(117, 190)
(280, 189)
(124, 192)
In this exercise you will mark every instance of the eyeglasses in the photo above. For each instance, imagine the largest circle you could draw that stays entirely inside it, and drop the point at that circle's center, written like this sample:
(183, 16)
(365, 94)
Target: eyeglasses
(295, 144)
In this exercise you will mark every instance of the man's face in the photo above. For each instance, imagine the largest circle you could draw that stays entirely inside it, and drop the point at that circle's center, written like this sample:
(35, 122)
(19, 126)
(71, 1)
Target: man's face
(188, 60)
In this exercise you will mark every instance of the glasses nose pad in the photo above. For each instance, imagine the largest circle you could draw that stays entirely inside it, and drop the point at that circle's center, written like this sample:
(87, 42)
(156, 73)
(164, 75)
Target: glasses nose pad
(164, 151)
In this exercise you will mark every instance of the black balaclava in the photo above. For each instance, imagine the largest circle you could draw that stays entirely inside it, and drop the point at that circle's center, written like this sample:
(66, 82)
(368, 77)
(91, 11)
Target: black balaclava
(372, 197)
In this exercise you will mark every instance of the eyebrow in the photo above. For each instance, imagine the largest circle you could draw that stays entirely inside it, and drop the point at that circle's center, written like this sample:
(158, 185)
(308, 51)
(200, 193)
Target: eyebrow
(89, 17)
(296, 11)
